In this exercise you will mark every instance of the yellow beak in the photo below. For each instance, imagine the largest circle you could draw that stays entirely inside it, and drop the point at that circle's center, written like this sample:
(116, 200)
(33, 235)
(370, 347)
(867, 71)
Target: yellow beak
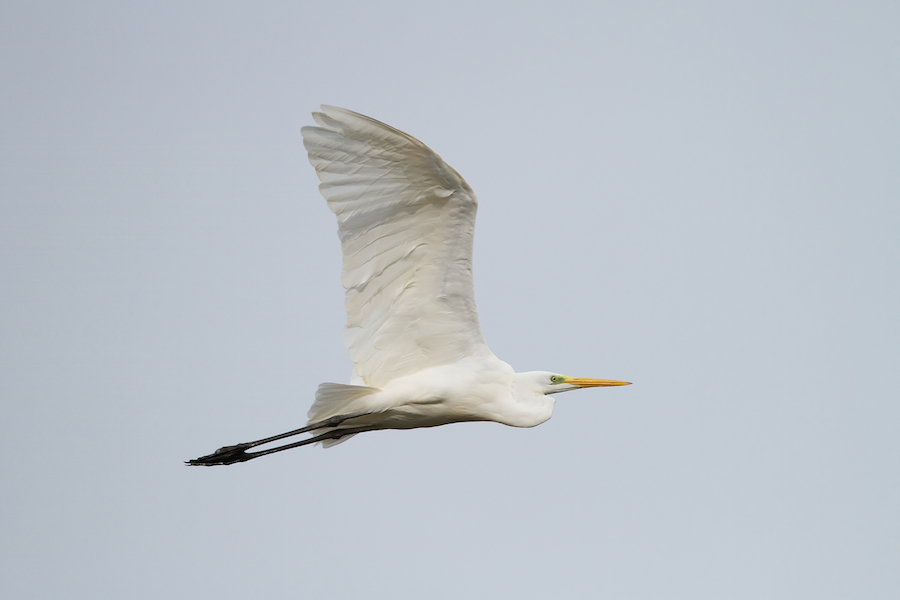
(586, 383)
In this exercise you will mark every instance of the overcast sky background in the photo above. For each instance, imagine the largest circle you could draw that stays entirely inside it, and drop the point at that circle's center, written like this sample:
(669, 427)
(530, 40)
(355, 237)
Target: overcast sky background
(699, 197)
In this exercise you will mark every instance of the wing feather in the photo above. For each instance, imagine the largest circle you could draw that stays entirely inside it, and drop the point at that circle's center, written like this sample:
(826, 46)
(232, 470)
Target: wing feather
(406, 221)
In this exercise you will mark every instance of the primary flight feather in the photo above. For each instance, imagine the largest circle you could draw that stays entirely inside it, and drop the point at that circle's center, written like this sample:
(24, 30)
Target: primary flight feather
(406, 221)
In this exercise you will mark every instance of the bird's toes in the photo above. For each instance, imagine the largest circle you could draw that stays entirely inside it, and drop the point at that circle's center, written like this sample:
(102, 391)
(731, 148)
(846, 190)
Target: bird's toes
(226, 455)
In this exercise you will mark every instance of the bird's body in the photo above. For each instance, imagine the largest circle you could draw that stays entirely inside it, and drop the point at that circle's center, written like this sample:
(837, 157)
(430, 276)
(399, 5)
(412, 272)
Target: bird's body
(472, 389)
(406, 222)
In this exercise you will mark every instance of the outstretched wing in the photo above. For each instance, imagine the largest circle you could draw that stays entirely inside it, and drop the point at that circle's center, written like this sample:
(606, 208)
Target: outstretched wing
(406, 221)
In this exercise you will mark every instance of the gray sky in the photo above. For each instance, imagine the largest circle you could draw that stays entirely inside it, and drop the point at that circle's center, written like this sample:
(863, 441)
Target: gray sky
(701, 198)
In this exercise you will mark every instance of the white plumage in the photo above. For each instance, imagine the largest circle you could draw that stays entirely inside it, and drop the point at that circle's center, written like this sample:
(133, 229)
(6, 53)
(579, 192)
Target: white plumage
(406, 221)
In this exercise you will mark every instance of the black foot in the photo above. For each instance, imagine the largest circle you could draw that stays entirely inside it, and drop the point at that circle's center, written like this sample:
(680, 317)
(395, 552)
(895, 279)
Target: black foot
(224, 456)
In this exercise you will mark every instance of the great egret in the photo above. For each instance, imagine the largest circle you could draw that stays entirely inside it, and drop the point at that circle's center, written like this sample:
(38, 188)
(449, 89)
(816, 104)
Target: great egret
(406, 221)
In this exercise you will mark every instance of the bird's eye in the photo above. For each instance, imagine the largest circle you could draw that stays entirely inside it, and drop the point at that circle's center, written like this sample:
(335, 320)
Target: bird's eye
(555, 379)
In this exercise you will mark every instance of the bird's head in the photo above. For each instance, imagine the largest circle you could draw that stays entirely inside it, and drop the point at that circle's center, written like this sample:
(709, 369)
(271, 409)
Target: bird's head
(545, 382)
(532, 394)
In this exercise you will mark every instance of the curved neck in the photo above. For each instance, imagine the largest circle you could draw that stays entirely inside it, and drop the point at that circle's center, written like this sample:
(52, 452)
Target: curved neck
(530, 406)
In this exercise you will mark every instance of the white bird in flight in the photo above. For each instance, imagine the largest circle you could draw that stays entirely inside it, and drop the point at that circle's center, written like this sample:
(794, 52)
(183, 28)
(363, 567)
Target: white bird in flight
(406, 221)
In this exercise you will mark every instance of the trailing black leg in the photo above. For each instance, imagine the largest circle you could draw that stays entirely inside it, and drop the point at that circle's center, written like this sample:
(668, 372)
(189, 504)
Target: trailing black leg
(228, 455)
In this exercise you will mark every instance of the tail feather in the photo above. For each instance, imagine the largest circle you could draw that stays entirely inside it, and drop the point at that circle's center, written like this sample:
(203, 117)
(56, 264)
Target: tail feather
(337, 399)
